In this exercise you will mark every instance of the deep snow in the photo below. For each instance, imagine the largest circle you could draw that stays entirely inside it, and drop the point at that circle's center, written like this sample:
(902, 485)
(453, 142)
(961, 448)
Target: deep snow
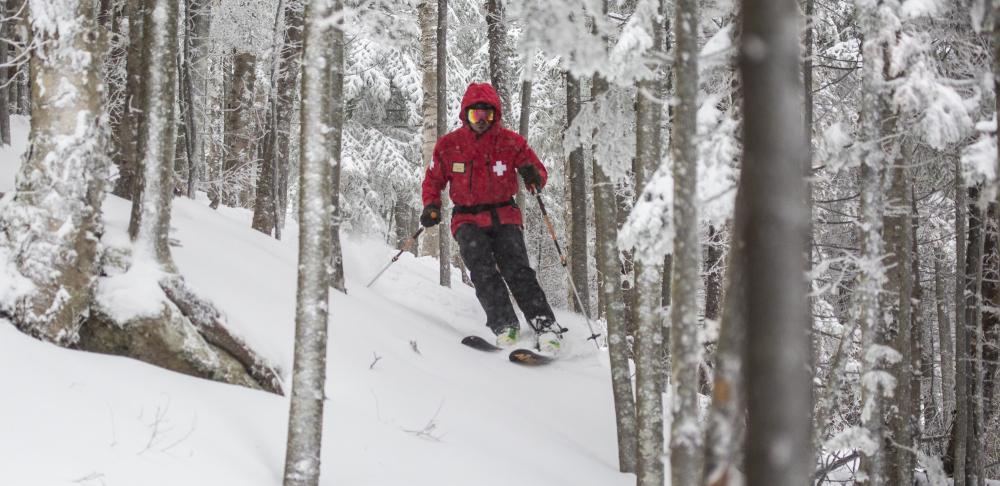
(427, 411)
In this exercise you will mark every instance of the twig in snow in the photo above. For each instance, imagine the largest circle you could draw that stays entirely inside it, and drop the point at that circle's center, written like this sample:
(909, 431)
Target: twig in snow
(413, 346)
(94, 476)
(428, 431)
(377, 358)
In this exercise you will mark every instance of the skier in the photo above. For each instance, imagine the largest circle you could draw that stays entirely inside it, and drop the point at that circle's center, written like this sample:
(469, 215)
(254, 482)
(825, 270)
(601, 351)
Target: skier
(479, 160)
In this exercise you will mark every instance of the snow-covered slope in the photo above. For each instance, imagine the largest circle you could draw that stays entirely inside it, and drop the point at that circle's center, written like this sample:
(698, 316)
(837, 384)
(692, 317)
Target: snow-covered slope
(408, 405)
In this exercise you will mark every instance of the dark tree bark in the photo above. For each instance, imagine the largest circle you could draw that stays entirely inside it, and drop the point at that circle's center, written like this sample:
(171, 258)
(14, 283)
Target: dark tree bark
(5, 33)
(523, 127)
(238, 137)
(775, 235)
(337, 121)
(270, 203)
(129, 150)
(496, 32)
(946, 345)
(197, 24)
(578, 204)
(955, 460)
(713, 284)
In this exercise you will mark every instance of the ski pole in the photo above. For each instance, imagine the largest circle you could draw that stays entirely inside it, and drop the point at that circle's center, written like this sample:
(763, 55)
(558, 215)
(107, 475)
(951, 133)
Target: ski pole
(562, 260)
(406, 246)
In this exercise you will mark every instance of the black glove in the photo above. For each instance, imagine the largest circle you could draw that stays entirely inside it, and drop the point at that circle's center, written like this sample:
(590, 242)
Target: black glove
(532, 178)
(431, 216)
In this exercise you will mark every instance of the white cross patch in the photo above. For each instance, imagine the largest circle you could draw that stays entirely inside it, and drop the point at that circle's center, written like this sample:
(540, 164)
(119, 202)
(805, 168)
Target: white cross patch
(499, 168)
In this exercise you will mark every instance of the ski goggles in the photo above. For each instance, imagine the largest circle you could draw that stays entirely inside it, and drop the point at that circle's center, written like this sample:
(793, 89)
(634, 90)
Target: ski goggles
(475, 115)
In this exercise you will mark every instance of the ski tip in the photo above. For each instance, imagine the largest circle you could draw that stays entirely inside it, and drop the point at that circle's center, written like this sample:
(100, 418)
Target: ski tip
(528, 357)
(479, 343)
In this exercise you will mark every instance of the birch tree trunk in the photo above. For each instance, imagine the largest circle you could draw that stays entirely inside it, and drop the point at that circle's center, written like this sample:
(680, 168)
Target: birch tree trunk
(444, 235)
(775, 235)
(305, 419)
(52, 225)
(427, 15)
(685, 346)
(158, 134)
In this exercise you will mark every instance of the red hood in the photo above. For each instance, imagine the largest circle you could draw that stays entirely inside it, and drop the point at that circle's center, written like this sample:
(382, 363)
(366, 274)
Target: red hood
(480, 93)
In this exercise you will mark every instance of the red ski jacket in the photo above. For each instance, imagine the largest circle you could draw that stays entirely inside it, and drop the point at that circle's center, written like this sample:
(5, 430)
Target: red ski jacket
(481, 168)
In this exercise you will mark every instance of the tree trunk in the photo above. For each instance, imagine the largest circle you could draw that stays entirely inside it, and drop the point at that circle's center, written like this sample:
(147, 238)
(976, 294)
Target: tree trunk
(128, 153)
(444, 236)
(613, 306)
(265, 196)
(239, 159)
(974, 322)
(496, 32)
(337, 120)
(578, 204)
(198, 22)
(685, 346)
(991, 318)
(158, 135)
(649, 332)
(51, 226)
(5, 31)
(713, 270)
(945, 344)
(305, 419)
(725, 424)
(957, 445)
(291, 56)
(923, 403)
(523, 127)
(775, 235)
(427, 14)
(898, 295)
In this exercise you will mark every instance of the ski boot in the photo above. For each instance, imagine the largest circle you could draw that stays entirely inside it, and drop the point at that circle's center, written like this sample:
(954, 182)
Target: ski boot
(507, 337)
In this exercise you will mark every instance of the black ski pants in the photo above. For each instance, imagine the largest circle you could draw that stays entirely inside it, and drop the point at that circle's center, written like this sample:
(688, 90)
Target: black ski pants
(497, 259)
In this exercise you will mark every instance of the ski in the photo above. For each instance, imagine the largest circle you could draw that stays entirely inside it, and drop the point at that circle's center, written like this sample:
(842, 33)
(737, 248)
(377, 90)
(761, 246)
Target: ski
(476, 342)
(524, 357)
(527, 357)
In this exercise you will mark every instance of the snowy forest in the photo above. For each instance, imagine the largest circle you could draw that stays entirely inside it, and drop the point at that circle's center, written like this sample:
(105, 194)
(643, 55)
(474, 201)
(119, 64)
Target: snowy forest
(769, 231)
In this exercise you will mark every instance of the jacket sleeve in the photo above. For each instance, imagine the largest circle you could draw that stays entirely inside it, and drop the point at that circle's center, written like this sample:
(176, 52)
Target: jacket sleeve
(525, 155)
(434, 179)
